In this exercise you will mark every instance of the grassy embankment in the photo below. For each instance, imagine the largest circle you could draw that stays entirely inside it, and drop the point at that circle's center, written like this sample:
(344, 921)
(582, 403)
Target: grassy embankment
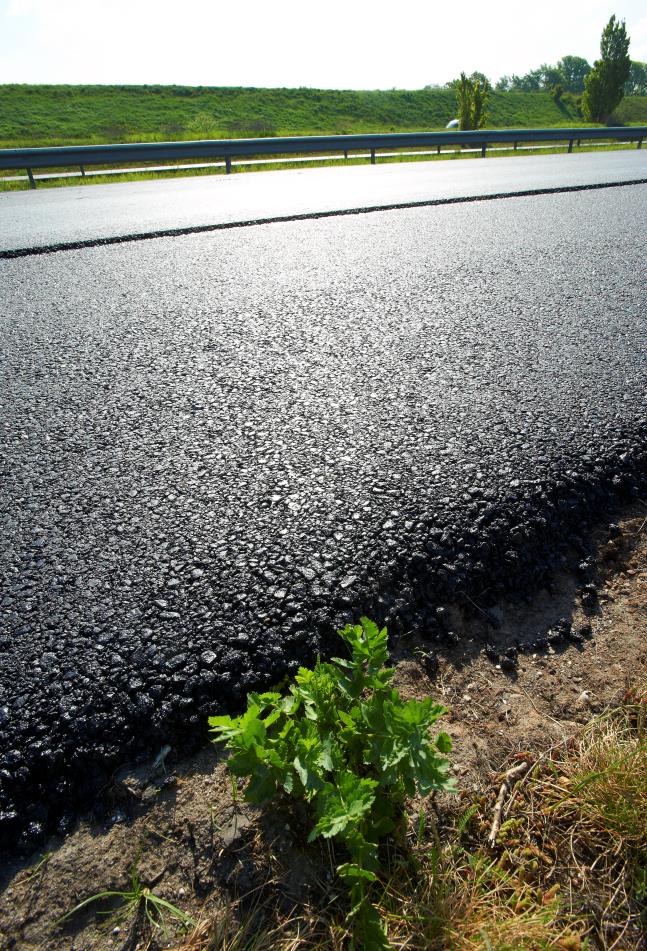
(66, 115)
(60, 115)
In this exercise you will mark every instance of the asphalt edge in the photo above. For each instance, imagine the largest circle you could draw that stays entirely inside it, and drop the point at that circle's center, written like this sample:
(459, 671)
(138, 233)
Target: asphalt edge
(437, 569)
(306, 216)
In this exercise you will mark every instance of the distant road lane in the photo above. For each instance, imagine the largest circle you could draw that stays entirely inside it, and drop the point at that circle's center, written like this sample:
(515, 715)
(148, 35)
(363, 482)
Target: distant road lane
(58, 215)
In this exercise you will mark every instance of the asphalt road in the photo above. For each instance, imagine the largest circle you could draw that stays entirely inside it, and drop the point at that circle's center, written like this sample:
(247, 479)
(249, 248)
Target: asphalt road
(60, 215)
(216, 448)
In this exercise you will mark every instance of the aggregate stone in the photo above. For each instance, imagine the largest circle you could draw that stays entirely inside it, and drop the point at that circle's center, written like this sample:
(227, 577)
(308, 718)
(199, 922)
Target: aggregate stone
(299, 423)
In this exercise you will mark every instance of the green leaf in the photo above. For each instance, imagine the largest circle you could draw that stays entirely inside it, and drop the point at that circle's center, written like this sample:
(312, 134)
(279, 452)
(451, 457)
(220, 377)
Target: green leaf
(225, 728)
(263, 700)
(287, 781)
(348, 719)
(325, 759)
(363, 851)
(444, 742)
(343, 804)
(261, 787)
(307, 763)
(244, 762)
(382, 827)
(350, 872)
(368, 933)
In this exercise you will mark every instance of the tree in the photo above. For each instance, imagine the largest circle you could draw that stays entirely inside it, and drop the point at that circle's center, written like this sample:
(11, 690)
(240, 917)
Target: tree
(482, 78)
(471, 97)
(604, 85)
(636, 85)
(531, 82)
(574, 70)
(550, 76)
(543, 77)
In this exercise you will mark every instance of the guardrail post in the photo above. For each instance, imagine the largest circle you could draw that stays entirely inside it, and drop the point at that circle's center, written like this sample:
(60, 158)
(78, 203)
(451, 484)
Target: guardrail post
(82, 171)
(345, 153)
(579, 142)
(570, 145)
(32, 180)
(372, 156)
(640, 144)
(483, 148)
(515, 147)
(439, 150)
(228, 164)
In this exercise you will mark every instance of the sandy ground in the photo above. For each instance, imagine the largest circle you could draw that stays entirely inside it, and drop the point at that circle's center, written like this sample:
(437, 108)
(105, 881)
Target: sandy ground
(191, 842)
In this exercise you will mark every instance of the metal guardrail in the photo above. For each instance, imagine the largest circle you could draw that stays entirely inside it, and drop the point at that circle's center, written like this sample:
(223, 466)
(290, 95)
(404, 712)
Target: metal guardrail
(82, 155)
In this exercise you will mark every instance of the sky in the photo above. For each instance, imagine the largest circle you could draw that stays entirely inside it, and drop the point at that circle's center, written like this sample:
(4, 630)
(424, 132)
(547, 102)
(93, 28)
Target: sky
(339, 44)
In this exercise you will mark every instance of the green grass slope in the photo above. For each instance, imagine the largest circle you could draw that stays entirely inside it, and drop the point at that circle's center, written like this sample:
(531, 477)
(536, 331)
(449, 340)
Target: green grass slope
(49, 115)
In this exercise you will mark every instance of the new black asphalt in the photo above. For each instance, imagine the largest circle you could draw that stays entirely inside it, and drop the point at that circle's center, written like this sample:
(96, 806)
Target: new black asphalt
(218, 448)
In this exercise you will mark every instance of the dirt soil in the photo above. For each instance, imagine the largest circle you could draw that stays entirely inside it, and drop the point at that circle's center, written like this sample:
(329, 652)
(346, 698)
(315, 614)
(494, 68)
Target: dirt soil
(522, 679)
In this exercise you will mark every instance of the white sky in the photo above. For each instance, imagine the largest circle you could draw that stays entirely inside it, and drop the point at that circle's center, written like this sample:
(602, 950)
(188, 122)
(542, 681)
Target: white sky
(342, 44)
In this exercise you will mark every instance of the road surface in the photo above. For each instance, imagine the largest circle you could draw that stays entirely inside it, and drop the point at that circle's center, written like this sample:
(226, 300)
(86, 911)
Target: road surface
(217, 448)
(59, 215)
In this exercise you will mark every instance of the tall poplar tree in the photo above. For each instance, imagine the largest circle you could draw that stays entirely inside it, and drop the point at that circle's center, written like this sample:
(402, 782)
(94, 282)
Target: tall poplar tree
(604, 85)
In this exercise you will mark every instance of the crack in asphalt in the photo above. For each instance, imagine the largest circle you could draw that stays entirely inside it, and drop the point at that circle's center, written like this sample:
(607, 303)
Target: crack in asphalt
(306, 216)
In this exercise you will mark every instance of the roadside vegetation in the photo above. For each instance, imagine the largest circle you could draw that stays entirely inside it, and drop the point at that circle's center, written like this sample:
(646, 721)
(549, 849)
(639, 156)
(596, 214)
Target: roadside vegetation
(604, 86)
(65, 115)
(343, 742)
(472, 94)
(553, 856)
(567, 869)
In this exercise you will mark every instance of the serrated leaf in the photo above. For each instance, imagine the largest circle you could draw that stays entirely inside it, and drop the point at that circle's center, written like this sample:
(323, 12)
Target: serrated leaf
(343, 804)
(363, 851)
(270, 756)
(287, 781)
(307, 764)
(347, 719)
(224, 727)
(444, 742)
(263, 700)
(325, 759)
(290, 704)
(339, 722)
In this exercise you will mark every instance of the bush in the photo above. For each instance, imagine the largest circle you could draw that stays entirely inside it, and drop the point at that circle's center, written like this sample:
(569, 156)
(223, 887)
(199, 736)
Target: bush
(345, 742)
(471, 98)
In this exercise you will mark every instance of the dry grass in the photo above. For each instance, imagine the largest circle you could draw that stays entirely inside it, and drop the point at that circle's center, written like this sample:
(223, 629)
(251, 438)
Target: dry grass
(587, 806)
(568, 871)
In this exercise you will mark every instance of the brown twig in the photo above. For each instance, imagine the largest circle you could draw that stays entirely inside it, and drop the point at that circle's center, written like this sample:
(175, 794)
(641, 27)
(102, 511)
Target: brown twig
(508, 782)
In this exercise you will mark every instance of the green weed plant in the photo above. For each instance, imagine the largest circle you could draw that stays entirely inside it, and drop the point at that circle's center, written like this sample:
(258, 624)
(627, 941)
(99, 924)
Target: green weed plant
(135, 901)
(343, 740)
